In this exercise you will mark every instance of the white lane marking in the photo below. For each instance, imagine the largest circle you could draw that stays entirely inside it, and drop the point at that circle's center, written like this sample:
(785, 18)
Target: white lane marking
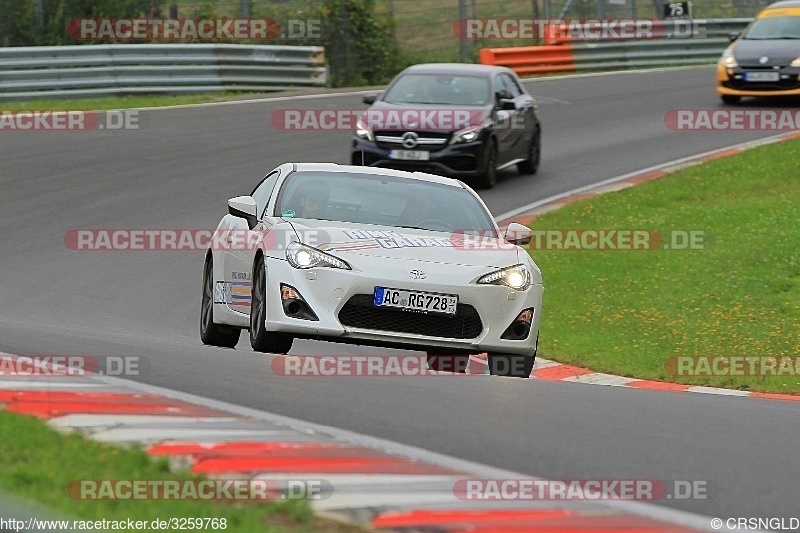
(48, 385)
(359, 480)
(601, 379)
(613, 73)
(130, 421)
(252, 101)
(381, 88)
(717, 390)
(153, 435)
(662, 166)
(372, 499)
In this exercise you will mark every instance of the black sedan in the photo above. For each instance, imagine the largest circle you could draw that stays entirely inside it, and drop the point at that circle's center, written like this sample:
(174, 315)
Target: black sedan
(455, 120)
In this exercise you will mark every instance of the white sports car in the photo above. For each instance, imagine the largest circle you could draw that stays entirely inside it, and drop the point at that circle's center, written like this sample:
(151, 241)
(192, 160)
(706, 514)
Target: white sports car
(376, 257)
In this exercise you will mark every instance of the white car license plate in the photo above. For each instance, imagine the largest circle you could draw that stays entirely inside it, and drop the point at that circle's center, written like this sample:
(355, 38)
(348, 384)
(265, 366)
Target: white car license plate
(416, 300)
(410, 155)
(761, 76)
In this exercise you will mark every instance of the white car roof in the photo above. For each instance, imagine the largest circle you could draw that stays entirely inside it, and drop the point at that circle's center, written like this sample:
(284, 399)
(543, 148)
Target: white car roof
(375, 171)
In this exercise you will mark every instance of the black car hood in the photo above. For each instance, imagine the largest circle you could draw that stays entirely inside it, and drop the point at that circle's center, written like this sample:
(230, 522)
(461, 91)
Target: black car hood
(383, 117)
(779, 51)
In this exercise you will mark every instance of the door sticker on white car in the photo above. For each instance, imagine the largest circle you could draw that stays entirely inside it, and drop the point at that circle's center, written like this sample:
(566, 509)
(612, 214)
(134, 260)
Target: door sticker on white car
(240, 294)
(222, 292)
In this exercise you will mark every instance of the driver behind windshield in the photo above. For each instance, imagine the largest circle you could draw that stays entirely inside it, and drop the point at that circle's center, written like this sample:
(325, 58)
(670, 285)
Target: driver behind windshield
(419, 208)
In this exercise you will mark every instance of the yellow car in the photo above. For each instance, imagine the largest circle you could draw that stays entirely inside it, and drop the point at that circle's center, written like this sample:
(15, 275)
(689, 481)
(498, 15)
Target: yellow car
(764, 60)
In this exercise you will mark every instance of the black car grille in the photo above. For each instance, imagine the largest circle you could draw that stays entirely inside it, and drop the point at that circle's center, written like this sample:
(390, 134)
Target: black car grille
(360, 312)
(781, 85)
(439, 138)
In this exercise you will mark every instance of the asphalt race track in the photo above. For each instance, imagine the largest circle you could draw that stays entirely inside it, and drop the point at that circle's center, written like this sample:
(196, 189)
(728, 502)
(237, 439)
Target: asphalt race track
(178, 170)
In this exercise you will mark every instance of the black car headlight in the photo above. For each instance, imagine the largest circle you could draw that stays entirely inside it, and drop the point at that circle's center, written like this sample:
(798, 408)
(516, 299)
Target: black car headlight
(303, 256)
(364, 132)
(728, 59)
(517, 277)
(467, 135)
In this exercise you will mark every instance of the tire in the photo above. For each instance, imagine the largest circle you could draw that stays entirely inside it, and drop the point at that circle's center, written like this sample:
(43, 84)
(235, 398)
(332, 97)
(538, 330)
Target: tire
(211, 333)
(531, 165)
(511, 365)
(443, 362)
(730, 99)
(488, 177)
(260, 339)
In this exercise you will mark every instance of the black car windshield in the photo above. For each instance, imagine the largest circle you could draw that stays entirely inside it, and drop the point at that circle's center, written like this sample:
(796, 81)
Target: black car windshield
(439, 89)
(381, 200)
(782, 27)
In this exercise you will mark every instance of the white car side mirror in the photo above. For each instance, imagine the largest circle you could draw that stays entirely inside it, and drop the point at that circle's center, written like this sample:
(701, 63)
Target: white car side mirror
(244, 207)
(518, 234)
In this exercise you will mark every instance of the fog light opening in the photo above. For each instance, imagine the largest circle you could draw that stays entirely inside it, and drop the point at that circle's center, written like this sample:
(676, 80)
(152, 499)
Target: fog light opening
(520, 328)
(294, 305)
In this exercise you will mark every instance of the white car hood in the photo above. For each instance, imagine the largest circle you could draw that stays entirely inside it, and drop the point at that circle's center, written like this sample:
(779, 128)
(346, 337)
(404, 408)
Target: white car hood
(343, 239)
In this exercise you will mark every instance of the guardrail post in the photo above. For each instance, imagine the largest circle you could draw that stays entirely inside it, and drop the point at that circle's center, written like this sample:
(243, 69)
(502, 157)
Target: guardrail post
(462, 42)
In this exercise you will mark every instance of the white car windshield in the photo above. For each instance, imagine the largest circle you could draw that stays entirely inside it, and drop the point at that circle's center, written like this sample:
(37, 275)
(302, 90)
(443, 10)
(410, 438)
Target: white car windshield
(382, 201)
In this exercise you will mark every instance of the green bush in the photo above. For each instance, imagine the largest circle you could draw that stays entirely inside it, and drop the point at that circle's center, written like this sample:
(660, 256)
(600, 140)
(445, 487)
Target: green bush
(23, 23)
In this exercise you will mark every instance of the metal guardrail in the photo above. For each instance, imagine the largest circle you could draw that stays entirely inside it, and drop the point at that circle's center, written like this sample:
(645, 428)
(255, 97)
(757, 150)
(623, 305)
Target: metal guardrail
(117, 69)
(598, 56)
(586, 55)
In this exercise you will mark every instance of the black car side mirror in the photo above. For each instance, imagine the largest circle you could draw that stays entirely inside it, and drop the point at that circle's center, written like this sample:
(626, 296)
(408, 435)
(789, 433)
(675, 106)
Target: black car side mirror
(504, 104)
(369, 99)
(734, 35)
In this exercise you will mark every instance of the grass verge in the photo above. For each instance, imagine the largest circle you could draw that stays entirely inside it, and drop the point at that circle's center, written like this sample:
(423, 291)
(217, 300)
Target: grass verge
(38, 463)
(632, 312)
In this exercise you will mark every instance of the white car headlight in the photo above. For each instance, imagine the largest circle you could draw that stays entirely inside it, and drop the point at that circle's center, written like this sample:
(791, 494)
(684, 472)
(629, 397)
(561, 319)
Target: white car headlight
(467, 135)
(363, 132)
(517, 277)
(303, 256)
(728, 59)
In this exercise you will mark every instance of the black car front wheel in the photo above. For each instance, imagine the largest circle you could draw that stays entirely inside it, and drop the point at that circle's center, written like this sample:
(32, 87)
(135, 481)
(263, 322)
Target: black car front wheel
(488, 177)
(511, 365)
(441, 361)
(531, 164)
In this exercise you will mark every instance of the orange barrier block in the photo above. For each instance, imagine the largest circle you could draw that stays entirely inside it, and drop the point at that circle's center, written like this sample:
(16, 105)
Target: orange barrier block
(528, 60)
